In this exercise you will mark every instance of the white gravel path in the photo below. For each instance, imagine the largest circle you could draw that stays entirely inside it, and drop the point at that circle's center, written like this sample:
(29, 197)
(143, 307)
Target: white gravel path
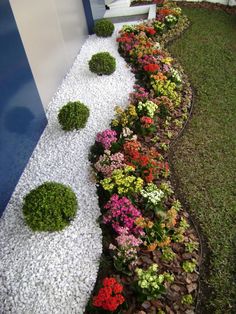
(51, 273)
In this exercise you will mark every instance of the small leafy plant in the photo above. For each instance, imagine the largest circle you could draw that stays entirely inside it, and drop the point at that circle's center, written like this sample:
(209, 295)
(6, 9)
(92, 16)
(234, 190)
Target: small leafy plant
(189, 267)
(104, 28)
(167, 254)
(187, 299)
(50, 207)
(191, 246)
(150, 283)
(102, 63)
(73, 116)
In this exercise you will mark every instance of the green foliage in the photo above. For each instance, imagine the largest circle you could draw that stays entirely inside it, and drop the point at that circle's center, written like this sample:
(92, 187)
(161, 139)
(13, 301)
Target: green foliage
(49, 207)
(102, 63)
(150, 283)
(187, 299)
(189, 267)
(104, 28)
(191, 246)
(73, 115)
(167, 254)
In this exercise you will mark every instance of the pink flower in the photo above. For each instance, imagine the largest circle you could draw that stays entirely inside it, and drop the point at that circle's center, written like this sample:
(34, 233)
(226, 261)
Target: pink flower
(106, 138)
(121, 215)
(107, 163)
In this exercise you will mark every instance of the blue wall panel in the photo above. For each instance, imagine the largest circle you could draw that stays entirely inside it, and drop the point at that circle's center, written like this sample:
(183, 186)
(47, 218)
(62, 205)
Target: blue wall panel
(94, 10)
(22, 118)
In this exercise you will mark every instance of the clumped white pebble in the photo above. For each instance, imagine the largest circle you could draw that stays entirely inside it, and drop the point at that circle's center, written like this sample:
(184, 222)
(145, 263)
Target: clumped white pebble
(56, 272)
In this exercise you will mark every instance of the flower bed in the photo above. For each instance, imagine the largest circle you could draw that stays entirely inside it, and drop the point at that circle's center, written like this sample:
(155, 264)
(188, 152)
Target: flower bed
(150, 248)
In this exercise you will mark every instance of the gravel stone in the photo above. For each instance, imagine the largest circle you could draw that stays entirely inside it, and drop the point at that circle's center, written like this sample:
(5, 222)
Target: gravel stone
(56, 272)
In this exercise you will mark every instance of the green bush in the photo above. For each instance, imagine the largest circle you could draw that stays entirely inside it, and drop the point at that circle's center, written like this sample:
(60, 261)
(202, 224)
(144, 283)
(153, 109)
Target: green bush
(73, 115)
(104, 28)
(49, 207)
(102, 63)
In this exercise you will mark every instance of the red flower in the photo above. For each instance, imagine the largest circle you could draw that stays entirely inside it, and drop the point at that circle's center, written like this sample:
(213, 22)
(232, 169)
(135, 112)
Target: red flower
(120, 298)
(150, 30)
(151, 67)
(146, 120)
(108, 282)
(117, 288)
(165, 12)
(109, 297)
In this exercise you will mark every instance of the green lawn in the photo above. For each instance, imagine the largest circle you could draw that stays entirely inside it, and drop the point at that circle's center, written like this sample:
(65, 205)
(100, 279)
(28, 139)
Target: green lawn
(204, 158)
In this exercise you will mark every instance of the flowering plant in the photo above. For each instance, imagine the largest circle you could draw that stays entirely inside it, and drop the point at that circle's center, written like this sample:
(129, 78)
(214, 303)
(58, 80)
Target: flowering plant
(109, 296)
(125, 118)
(140, 94)
(147, 108)
(121, 214)
(150, 283)
(125, 253)
(147, 163)
(109, 162)
(166, 88)
(135, 174)
(156, 233)
(122, 182)
(153, 196)
(106, 138)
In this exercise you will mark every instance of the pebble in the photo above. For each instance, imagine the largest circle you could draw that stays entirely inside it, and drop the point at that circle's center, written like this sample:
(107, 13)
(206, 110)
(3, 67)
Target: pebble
(56, 272)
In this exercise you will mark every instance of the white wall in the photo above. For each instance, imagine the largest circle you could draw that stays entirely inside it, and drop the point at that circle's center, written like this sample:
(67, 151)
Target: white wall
(52, 32)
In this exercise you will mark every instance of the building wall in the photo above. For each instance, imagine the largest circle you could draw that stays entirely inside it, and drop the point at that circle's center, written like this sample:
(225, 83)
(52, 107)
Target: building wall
(98, 8)
(22, 117)
(52, 32)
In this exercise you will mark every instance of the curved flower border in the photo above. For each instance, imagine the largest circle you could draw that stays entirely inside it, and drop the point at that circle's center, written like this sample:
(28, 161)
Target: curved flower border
(150, 249)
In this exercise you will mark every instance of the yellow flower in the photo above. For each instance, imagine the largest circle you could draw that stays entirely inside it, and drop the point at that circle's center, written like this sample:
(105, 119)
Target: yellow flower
(119, 110)
(167, 60)
(115, 122)
(132, 110)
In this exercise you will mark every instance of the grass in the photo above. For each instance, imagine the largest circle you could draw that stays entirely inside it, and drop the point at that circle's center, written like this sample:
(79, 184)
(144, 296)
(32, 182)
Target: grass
(204, 158)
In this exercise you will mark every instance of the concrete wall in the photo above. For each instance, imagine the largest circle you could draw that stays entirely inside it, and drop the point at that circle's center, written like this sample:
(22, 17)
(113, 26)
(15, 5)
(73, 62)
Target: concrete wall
(52, 32)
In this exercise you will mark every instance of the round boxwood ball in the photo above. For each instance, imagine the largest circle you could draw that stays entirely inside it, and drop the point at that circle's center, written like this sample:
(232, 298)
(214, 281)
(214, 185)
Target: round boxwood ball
(104, 28)
(102, 63)
(73, 116)
(49, 207)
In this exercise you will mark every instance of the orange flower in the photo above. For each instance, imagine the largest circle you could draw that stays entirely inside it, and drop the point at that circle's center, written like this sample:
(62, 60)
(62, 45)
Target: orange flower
(171, 217)
(140, 221)
(164, 242)
(159, 77)
(152, 247)
(140, 54)
(150, 224)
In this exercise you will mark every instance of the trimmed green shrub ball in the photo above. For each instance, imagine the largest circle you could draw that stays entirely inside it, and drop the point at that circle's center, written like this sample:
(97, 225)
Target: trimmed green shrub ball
(102, 63)
(73, 116)
(104, 28)
(50, 207)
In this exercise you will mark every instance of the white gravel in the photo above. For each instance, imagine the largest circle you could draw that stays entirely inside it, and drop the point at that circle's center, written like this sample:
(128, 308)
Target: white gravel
(55, 272)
